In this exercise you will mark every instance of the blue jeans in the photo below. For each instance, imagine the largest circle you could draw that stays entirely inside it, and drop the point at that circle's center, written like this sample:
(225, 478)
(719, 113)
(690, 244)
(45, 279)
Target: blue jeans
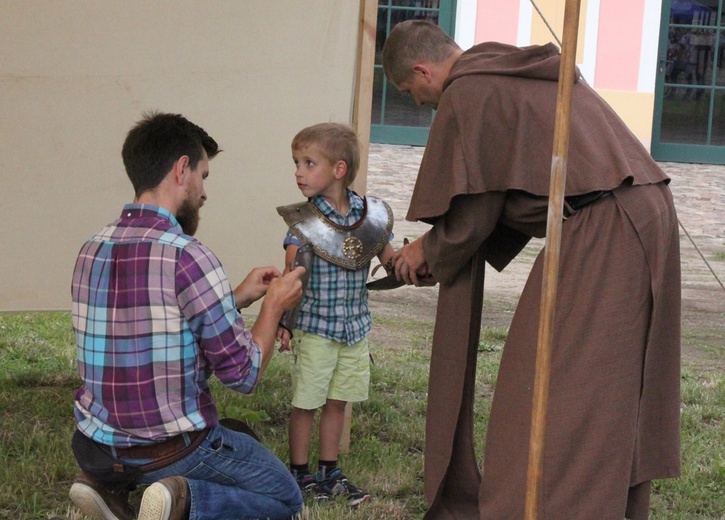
(232, 476)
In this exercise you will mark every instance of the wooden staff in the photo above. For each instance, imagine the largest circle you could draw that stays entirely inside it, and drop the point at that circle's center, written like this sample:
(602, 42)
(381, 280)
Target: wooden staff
(567, 70)
(361, 116)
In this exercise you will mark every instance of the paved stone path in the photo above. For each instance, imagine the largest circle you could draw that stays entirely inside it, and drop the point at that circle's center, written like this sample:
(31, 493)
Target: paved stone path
(698, 190)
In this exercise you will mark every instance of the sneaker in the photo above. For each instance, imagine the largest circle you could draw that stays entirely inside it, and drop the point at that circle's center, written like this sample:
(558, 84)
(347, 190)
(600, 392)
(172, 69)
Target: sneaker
(167, 499)
(307, 484)
(96, 502)
(336, 484)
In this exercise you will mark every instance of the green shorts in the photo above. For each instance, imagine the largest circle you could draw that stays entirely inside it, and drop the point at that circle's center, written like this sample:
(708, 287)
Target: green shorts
(326, 369)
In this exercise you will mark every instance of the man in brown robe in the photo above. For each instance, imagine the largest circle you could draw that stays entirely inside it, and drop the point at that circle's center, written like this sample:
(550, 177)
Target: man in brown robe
(614, 398)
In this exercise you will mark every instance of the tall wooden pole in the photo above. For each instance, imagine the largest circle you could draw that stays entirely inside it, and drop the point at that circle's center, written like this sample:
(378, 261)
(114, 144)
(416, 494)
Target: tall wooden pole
(567, 70)
(361, 117)
(364, 74)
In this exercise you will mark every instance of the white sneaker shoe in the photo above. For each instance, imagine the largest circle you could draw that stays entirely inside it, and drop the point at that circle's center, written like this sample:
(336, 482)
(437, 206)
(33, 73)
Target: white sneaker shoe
(167, 499)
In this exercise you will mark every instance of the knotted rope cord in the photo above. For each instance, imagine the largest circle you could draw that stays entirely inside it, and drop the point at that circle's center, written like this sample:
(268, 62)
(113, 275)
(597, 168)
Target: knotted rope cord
(551, 30)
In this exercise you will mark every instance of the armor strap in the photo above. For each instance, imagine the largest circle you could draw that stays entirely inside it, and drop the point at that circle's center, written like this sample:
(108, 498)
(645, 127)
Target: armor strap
(303, 258)
(350, 247)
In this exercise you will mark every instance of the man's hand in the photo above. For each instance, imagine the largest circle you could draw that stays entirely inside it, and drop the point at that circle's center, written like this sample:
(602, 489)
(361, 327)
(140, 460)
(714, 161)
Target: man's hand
(284, 292)
(411, 266)
(255, 285)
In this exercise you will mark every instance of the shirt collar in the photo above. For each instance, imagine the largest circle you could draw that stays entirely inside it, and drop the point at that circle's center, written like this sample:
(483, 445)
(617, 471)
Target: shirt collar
(356, 204)
(135, 210)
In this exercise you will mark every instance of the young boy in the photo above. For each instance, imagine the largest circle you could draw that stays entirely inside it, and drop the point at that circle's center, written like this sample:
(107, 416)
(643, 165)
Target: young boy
(332, 365)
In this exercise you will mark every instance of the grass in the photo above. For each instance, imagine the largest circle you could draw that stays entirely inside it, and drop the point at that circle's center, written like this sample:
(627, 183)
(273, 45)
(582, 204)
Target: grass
(38, 380)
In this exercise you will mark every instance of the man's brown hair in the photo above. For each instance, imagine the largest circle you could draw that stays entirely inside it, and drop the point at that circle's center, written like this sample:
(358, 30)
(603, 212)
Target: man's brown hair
(156, 143)
(411, 42)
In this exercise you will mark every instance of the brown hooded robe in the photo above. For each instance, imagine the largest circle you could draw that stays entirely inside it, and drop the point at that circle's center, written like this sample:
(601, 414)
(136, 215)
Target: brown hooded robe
(613, 416)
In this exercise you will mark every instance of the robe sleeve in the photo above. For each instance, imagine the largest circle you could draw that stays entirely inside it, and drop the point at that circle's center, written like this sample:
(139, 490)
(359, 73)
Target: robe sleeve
(457, 234)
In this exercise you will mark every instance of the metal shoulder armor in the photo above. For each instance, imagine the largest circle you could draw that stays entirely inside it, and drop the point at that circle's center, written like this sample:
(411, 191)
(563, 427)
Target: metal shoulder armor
(350, 247)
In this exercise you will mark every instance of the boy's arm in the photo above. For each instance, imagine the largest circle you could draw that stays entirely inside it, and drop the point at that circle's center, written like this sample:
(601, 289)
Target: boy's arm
(289, 257)
(386, 253)
(283, 335)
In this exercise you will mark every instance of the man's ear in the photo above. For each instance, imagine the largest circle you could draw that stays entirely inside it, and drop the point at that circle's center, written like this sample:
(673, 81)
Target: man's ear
(423, 69)
(340, 169)
(179, 169)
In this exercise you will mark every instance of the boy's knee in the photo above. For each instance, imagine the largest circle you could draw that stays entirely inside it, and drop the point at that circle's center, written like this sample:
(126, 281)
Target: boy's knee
(335, 404)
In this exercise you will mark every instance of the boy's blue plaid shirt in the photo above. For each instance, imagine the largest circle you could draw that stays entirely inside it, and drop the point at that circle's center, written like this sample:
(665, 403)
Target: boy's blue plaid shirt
(335, 304)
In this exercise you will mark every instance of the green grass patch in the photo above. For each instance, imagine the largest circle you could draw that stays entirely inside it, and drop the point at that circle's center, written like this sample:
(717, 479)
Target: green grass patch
(38, 380)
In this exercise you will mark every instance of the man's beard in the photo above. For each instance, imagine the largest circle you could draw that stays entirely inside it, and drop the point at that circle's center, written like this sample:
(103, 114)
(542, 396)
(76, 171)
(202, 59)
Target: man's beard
(188, 217)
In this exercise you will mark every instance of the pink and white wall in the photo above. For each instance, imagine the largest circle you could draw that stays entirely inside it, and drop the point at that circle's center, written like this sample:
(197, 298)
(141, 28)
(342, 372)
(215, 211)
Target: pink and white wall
(616, 51)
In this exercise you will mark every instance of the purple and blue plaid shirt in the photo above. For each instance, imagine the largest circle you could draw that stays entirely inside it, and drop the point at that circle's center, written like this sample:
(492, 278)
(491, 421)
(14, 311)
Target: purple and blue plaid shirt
(154, 316)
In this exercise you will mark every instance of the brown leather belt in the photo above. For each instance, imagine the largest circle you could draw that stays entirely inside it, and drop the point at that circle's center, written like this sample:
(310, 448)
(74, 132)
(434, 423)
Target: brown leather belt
(576, 202)
(163, 449)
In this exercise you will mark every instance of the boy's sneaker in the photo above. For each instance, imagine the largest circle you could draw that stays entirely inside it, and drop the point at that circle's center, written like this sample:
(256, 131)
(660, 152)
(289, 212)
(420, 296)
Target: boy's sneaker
(307, 484)
(336, 484)
(95, 502)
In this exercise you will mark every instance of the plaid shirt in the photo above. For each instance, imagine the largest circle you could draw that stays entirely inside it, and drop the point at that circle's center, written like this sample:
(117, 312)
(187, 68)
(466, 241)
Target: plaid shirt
(335, 304)
(154, 316)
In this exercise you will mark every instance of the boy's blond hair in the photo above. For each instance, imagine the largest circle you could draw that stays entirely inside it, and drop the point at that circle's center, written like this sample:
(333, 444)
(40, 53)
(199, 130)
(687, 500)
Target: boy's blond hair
(337, 142)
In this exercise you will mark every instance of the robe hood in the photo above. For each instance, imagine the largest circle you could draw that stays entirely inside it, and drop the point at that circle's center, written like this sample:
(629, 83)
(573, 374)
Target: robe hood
(534, 62)
(494, 131)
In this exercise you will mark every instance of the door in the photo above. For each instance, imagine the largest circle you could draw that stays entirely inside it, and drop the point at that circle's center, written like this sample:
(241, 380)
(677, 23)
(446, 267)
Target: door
(689, 117)
(396, 119)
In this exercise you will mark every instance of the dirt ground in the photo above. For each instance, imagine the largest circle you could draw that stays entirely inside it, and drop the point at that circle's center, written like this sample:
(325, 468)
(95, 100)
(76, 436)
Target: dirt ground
(699, 192)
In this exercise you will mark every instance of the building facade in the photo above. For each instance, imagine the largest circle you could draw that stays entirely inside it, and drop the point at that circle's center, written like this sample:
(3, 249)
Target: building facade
(657, 62)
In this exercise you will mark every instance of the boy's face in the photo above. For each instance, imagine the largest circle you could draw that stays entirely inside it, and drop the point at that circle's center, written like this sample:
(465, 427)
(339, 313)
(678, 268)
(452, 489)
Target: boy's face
(315, 174)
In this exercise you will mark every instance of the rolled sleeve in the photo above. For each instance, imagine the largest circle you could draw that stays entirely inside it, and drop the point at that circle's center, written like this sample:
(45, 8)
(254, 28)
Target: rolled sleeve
(457, 235)
(207, 302)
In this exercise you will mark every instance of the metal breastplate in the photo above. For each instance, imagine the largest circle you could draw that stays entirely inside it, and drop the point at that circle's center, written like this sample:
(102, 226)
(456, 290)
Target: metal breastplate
(350, 247)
